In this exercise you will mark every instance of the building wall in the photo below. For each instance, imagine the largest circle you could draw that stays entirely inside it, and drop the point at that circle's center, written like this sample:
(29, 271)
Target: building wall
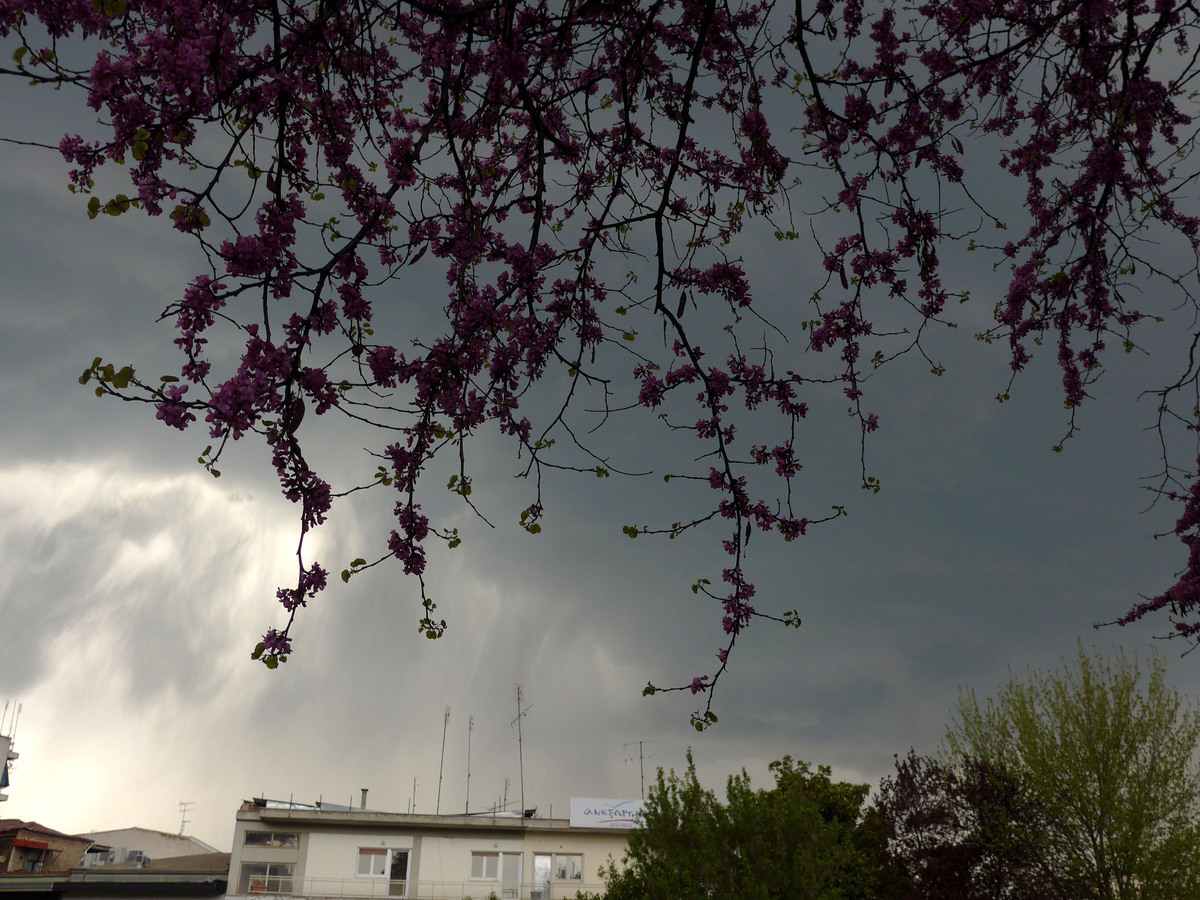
(154, 844)
(324, 856)
(447, 858)
(266, 845)
(62, 852)
(335, 854)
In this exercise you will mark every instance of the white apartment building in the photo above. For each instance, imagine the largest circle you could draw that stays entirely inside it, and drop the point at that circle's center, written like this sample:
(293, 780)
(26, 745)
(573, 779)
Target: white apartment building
(315, 852)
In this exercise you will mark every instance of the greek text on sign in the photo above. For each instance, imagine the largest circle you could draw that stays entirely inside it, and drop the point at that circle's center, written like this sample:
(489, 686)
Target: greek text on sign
(593, 812)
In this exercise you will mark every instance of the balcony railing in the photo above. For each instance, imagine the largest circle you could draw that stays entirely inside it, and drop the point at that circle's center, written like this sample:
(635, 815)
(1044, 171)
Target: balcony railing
(355, 888)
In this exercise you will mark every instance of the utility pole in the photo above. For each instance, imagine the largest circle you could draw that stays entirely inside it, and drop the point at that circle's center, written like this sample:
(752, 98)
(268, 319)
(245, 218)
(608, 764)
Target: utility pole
(470, 728)
(445, 724)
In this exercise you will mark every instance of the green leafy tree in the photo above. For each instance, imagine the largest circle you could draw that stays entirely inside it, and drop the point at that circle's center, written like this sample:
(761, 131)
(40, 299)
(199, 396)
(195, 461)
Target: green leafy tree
(1108, 753)
(808, 837)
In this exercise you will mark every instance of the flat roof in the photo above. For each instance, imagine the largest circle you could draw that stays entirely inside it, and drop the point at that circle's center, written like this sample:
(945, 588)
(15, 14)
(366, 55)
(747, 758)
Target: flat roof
(371, 819)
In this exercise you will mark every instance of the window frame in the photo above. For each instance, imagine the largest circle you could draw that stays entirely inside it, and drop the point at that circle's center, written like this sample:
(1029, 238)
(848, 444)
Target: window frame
(388, 857)
(483, 856)
(371, 853)
(567, 868)
(517, 856)
(271, 839)
(285, 879)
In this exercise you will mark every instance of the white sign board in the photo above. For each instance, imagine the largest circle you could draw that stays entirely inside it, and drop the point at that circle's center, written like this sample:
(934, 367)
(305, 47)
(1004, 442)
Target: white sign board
(593, 812)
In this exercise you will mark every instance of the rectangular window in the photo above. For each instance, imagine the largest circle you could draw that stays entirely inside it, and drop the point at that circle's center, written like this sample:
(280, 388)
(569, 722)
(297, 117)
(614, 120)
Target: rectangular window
(272, 839)
(568, 866)
(485, 865)
(378, 862)
(372, 861)
(265, 878)
(502, 867)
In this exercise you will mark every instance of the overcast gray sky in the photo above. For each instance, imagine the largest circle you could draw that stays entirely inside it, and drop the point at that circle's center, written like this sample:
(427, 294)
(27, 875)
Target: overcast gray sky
(134, 584)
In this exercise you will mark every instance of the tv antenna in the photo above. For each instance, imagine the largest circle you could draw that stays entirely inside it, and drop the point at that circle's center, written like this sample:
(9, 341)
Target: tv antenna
(185, 807)
(445, 724)
(12, 723)
(470, 728)
(520, 746)
(641, 757)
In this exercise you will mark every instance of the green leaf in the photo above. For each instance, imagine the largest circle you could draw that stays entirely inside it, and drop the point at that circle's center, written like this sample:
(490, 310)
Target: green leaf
(117, 205)
(258, 650)
(271, 662)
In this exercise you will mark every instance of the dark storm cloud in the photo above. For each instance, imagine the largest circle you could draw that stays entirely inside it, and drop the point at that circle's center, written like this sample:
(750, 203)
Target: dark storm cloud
(142, 594)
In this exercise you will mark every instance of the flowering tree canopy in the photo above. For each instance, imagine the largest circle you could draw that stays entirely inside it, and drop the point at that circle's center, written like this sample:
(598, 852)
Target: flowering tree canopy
(585, 175)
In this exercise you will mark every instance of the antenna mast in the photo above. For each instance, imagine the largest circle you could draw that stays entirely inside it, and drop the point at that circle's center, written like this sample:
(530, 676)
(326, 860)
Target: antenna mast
(641, 762)
(445, 723)
(184, 808)
(12, 723)
(470, 728)
(520, 747)
(642, 767)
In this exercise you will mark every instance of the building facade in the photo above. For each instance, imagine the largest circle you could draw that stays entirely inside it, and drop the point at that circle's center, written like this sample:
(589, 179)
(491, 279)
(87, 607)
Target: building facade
(7, 755)
(139, 845)
(313, 852)
(31, 847)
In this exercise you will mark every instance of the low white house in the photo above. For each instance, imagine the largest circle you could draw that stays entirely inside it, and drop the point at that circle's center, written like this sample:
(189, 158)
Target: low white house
(139, 844)
(314, 852)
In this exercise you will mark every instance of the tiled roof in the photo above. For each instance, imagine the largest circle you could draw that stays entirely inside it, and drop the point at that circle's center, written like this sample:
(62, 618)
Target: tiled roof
(11, 825)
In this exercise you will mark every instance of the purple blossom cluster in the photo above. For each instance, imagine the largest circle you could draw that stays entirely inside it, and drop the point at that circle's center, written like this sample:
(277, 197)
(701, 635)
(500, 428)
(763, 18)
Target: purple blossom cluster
(318, 151)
